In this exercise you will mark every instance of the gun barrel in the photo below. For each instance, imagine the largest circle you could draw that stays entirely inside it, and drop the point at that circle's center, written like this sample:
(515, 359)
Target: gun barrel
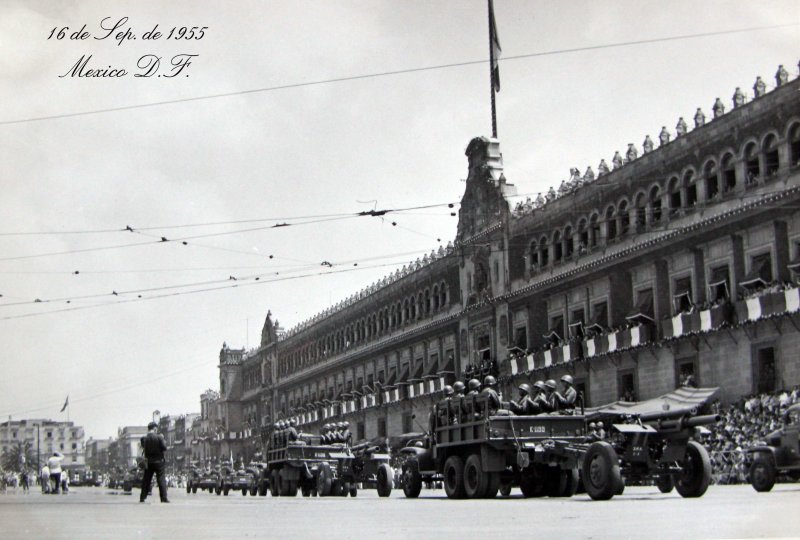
(663, 415)
(692, 421)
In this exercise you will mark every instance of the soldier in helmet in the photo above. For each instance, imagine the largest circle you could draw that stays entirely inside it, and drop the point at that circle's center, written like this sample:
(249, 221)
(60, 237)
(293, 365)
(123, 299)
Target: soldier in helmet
(347, 436)
(592, 433)
(524, 404)
(457, 401)
(273, 439)
(566, 401)
(492, 399)
(550, 395)
(474, 388)
(601, 433)
(291, 431)
(323, 434)
(540, 397)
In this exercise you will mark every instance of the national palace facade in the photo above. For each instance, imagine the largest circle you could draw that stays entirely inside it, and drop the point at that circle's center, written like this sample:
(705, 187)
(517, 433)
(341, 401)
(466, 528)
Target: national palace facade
(676, 261)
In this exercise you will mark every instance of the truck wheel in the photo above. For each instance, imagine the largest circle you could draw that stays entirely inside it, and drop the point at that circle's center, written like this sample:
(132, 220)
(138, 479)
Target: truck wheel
(336, 488)
(225, 491)
(412, 480)
(601, 476)
(218, 489)
(696, 474)
(254, 490)
(531, 485)
(353, 490)
(665, 483)
(762, 473)
(244, 492)
(454, 477)
(555, 482)
(274, 488)
(571, 478)
(188, 487)
(194, 489)
(505, 490)
(494, 485)
(305, 491)
(290, 488)
(476, 480)
(385, 480)
(324, 477)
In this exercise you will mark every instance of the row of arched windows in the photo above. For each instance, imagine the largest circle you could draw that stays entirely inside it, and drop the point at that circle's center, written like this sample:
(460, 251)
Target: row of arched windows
(415, 307)
(756, 162)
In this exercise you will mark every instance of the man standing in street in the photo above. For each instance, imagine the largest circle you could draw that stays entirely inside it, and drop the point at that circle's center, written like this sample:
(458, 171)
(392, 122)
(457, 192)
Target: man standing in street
(154, 446)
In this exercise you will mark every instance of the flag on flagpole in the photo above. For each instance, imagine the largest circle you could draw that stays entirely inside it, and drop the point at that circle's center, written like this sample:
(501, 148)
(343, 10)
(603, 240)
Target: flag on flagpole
(66, 403)
(496, 50)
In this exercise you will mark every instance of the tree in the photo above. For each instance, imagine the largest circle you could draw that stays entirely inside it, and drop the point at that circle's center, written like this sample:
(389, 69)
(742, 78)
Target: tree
(19, 455)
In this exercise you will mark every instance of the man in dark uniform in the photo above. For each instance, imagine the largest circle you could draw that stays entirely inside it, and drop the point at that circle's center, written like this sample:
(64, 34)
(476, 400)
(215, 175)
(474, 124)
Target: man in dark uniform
(492, 399)
(347, 435)
(540, 397)
(154, 446)
(457, 401)
(550, 395)
(291, 432)
(566, 402)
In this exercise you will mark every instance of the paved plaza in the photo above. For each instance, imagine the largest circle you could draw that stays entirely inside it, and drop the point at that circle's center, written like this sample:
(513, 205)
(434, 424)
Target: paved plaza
(88, 513)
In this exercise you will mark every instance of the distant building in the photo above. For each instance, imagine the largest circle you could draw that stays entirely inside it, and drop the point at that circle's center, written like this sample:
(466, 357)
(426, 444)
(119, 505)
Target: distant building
(98, 456)
(129, 445)
(52, 436)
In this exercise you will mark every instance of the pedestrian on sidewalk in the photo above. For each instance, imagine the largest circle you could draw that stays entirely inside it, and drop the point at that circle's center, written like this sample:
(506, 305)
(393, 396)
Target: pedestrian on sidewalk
(54, 463)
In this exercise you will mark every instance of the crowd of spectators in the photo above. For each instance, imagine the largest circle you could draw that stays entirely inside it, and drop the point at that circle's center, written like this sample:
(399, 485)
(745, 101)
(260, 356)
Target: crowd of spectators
(744, 423)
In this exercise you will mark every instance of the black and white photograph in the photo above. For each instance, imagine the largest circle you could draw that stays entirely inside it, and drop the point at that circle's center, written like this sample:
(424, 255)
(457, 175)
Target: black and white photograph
(449, 269)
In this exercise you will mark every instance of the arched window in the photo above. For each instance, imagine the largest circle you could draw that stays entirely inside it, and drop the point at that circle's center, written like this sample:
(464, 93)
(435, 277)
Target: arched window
(712, 181)
(558, 251)
(690, 188)
(568, 244)
(728, 173)
(533, 255)
(655, 204)
(406, 310)
(435, 297)
(583, 236)
(427, 301)
(611, 224)
(752, 170)
(544, 252)
(443, 293)
(770, 149)
(675, 199)
(794, 145)
(639, 213)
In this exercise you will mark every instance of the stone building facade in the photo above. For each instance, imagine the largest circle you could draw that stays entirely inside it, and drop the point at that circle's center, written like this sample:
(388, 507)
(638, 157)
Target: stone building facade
(49, 436)
(674, 263)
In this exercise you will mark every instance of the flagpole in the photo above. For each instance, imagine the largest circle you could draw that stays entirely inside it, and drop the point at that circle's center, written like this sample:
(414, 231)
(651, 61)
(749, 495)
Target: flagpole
(491, 67)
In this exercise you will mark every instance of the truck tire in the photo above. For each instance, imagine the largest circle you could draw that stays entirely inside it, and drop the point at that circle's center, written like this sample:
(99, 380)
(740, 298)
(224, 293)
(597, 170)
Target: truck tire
(454, 477)
(290, 488)
(696, 474)
(601, 475)
(762, 473)
(494, 485)
(665, 483)
(412, 480)
(225, 491)
(254, 490)
(476, 480)
(274, 485)
(531, 485)
(385, 480)
(188, 487)
(324, 480)
(354, 490)
(555, 482)
(244, 492)
(505, 489)
(621, 487)
(218, 489)
(194, 489)
(571, 477)
(262, 488)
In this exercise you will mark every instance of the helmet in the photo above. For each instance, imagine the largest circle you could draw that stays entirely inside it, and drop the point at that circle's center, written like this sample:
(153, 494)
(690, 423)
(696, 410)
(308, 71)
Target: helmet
(592, 425)
(345, 424)
(448, 390)
(458, 386)
(599, 425)
(525, 387)
(567, 379)
(489, 380)
(292, 422)
(474, 384)
(539, 385)
(550, 383)
(326, 427)
(340, 425)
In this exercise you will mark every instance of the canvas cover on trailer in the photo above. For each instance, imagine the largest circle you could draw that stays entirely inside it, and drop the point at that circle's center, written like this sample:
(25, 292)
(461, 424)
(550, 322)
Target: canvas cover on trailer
(684, 400)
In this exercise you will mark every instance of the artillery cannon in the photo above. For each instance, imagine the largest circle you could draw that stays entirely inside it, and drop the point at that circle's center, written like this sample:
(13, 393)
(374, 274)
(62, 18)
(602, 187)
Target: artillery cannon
(650, 440)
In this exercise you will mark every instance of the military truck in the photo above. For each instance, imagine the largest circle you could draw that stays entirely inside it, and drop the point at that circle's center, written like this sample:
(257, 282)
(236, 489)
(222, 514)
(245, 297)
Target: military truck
(365, 464)
(472, 451)
(232, 479)
(296, 465)
(778, 454)
(258, 484)
(204, 480)
(649, 440)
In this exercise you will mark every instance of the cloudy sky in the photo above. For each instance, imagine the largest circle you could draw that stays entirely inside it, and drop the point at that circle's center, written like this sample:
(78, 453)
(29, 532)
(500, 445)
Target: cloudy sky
(218, 173)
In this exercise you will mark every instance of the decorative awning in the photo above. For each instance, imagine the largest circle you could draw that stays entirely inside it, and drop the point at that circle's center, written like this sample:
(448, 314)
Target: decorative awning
(755, 278)
(643, 313)
(576, 329)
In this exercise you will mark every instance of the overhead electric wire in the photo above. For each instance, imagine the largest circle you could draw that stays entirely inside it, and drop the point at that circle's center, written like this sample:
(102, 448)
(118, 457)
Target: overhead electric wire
(397, 72)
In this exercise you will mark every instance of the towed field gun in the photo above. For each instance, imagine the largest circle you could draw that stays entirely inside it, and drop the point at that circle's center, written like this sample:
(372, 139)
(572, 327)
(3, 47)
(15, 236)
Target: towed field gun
(650, 440)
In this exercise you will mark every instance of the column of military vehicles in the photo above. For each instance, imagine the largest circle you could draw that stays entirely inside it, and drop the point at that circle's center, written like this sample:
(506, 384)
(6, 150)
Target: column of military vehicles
(478, 446)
